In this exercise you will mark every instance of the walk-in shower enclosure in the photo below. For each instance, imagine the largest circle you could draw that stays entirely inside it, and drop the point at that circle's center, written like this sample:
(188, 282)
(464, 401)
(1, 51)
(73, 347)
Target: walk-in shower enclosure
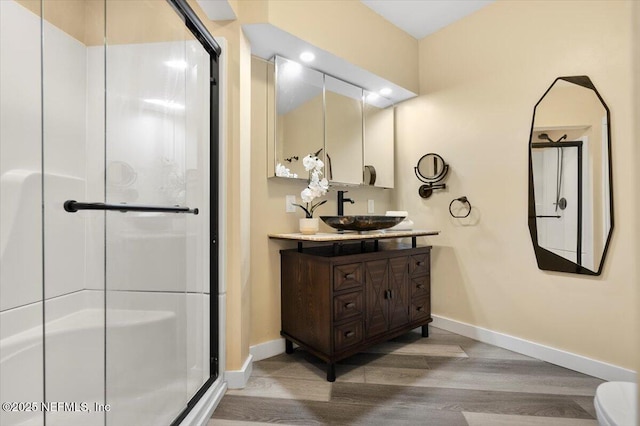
(105, 316)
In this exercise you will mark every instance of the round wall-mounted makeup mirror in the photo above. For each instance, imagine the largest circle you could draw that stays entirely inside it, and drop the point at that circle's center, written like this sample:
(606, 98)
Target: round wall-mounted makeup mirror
(431, 169)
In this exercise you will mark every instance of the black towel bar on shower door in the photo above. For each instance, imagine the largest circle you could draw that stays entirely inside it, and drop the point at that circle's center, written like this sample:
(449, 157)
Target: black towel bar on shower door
(73, 206)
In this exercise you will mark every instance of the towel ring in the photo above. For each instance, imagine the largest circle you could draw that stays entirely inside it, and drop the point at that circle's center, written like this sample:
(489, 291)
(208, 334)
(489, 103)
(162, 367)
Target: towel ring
(462, 200)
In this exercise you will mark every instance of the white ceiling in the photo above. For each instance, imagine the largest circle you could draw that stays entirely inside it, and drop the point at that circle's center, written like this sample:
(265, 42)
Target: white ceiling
(217, 10)
(423, 17)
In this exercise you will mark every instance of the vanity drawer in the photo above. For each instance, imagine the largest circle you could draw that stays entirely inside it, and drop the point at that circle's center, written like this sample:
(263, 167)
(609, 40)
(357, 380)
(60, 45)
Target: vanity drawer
(347, 276)
(419, 286)
(420, 308)
(347, 335)
(419, 264)
(347, 305)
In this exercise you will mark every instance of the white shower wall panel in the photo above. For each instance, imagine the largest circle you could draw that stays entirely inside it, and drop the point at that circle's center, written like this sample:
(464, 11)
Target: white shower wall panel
(20, 155)
(64, 100)
(20, 89)
(24, 153)
(64, 140)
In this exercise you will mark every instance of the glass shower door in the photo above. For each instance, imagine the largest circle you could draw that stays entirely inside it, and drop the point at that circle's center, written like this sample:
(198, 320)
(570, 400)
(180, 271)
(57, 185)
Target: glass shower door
(104, 301)
(156, 136)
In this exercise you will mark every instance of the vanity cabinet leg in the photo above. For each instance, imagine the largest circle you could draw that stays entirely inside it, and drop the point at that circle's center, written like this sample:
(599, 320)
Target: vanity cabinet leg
(288, 346)
(425, 330)
(331, 372)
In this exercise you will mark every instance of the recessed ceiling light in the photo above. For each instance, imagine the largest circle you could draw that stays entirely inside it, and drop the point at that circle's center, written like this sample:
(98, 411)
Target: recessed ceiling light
(385, 91)
(307, 56)
(371, 97)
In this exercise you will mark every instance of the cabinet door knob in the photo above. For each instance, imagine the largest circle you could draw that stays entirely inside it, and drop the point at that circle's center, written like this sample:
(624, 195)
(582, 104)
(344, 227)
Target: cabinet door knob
(390, 294)
(419, 263)
(349, 305)
(349, 334)
(349, 276)
(420, 309)
(420, 286)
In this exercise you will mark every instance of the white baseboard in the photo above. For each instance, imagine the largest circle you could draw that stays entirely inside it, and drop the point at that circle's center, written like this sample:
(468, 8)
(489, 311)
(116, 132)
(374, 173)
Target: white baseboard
(555, 356)
(267, 349)
(237, 379)
(203, 410)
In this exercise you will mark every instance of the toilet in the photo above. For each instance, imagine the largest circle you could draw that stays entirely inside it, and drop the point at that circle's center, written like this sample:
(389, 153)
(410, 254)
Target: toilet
(615, 404)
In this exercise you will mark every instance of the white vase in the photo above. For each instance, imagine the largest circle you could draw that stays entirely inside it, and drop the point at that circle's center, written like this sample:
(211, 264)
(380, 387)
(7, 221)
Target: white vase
(309, 226)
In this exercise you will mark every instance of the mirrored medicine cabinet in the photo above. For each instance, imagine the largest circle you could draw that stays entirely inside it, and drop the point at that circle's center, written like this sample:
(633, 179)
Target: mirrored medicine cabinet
(570, 178)
(350, 129)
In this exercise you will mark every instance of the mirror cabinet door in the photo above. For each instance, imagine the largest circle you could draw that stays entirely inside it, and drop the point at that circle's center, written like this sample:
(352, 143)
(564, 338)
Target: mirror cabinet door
(570, 199)
(378, 139)
(299, 128)
(318, 114)
(343, 127)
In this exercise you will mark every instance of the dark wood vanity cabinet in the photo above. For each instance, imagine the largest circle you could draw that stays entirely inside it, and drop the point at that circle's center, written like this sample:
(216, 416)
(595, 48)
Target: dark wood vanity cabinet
(336, 303)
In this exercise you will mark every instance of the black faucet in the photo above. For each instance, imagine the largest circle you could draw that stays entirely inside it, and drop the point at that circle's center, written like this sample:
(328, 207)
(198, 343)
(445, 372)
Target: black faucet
(341, 201)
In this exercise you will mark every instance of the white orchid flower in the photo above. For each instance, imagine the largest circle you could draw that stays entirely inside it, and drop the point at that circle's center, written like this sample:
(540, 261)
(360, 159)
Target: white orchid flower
(309, 162)
(307, 195)
(324, 183)
(283, 171)
(317, 187)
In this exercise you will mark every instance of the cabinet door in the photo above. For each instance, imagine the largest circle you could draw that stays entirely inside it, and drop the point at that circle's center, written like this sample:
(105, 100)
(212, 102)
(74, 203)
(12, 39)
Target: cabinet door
(398, 292)
(376, 291)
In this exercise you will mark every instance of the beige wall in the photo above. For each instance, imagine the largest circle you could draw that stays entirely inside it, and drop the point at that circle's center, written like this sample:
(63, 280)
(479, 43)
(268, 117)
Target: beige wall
(480, 79)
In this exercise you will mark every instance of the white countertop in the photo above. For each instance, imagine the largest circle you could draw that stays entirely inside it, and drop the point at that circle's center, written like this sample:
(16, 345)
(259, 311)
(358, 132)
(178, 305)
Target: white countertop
(352, 235)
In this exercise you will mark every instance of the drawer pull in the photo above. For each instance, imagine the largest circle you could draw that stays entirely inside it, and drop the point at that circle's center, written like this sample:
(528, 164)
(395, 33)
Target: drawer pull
(420, 286)
(349, 334)
(349, 276)
(420, 308)
(419, 263)
(350, 305)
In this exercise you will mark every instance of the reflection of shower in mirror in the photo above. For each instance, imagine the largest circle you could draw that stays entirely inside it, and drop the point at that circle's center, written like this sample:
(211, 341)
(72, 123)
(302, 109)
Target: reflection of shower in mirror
(563, 205)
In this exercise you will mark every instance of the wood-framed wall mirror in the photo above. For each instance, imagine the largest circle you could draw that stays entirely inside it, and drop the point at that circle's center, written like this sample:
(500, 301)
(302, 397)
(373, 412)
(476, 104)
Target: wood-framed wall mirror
(570, 178)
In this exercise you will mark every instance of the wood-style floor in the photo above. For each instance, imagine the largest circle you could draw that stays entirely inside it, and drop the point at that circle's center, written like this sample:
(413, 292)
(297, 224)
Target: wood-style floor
(445, 379)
